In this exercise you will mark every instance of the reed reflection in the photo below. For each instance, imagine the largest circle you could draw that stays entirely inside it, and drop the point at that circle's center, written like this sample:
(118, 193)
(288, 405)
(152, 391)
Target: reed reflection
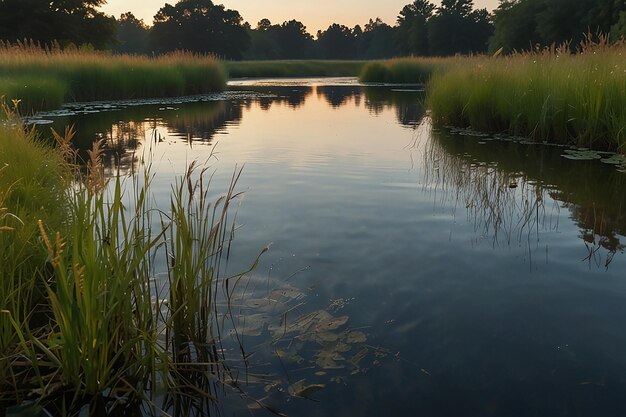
(513, 193)
(408, 104)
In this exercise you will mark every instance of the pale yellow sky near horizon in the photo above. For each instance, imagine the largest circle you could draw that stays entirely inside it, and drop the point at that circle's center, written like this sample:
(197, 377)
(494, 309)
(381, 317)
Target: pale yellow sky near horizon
(314, 14)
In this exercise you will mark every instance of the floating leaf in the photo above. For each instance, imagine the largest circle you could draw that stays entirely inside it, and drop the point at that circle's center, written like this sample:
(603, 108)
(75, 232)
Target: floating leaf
(358, 357)
(354, 336)
(301, 389)
(341, 347)
(289, 292)
(326, 362)
(332, 323)
(328, 337)
(581, 155)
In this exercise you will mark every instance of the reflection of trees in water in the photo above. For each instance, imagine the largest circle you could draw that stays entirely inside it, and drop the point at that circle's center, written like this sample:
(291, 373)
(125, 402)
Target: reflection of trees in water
(122, 139)
(292, 96)
(505, 188)
(201, 121)
(340, 96)
(121, 142)
(408, 105)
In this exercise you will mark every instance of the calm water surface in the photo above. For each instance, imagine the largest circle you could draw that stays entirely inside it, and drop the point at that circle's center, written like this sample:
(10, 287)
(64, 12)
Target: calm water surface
(473, 276)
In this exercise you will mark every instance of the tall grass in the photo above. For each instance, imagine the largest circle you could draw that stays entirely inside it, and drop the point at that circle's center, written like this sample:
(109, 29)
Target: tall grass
(547, 96)
(33, 182)
(294, 68)
(405, 70)
(84, 319)
(45, 78)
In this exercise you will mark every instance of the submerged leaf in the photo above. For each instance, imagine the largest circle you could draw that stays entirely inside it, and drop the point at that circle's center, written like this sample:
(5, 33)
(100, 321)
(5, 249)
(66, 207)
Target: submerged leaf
(354, 336)
(332, 323)
(326, 362)
(301, 389)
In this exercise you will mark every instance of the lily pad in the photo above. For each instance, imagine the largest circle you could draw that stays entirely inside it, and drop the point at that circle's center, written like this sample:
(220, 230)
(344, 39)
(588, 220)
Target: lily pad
(354, 336)
(332, 323)
(581, 155)
(304, 390)
(326, 362)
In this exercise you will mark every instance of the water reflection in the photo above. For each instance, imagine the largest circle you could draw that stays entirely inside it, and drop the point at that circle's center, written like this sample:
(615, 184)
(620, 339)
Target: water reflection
(434, 265)
(407, 104)
(199, 122)
(509, 191)
(514, 192)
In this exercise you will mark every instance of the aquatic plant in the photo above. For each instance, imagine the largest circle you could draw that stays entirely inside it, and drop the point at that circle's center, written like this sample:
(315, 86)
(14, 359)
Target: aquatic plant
(44, 78)
(549, 95)
(294, 68)
(86, 320)
(405, 70)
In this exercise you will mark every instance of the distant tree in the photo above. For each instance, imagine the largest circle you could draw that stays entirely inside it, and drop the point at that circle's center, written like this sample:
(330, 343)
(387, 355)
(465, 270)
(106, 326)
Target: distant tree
(337, 42)
(294, 40)
(132, 35)
(289, 40)
(264, 24)
(412, 34)
(199, 26)
(522, 24)
(457, 28)
(66, 21)
(603, 15)
(378, 41)
(262, 42)
(562, 21)
(515, 26)
(618, 30)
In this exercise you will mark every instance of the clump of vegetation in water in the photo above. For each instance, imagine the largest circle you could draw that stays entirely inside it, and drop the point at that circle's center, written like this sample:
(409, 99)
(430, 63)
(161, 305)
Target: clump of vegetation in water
(45, 78)
(404, 70)
(550, 95)
(85, 320)
(294, 68)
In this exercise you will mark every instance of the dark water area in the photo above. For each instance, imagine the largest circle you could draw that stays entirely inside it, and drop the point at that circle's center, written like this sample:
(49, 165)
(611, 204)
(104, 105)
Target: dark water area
(456, 274)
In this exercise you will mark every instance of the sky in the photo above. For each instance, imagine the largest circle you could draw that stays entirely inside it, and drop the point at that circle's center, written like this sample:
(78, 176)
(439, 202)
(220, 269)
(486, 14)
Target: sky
(315, 15)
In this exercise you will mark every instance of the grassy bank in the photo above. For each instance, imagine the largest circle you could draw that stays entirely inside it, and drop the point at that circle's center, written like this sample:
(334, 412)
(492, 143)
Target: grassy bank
(405, 70)
(44, 79)
(295, 68)
(104, 297)
(571, 99)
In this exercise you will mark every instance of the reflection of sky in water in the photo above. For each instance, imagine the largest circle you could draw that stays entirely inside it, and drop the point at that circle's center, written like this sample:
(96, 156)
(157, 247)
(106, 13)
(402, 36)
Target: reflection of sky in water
(361, 203)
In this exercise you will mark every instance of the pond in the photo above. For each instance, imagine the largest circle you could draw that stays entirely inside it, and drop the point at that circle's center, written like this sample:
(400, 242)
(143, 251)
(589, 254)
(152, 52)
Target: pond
(455, 273)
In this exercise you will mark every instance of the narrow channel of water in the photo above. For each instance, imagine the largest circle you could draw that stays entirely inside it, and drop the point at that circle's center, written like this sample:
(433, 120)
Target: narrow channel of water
(424, 271)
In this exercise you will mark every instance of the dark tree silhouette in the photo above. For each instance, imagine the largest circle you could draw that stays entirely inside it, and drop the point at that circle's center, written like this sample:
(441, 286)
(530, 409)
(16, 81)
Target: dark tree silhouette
(524, 24)
(199, 26)
(132, 35)
(67, 21)
(412, 27)
(337, 42)
(378, 41)
(290, 40)
(457, 28)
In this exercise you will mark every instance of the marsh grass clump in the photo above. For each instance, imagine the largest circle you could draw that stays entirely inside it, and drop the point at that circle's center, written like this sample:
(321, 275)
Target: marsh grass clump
(549, 95)
(294, 68)
(405, 70)
(106, 299)
(44, 78)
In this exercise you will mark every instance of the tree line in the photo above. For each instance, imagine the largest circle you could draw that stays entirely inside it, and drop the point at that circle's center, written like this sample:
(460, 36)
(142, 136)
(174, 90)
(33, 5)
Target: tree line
(421, 29)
